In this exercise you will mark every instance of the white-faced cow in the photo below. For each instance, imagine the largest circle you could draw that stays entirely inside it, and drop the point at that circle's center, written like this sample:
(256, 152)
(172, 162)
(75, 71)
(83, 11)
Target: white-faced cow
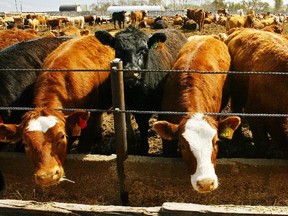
(260, 51)
(196, 133)
(44, 130)
(138, 51)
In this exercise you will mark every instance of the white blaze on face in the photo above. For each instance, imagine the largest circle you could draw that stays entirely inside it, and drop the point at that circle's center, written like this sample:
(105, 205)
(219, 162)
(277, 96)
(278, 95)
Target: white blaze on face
(199, 134)
(42, 123)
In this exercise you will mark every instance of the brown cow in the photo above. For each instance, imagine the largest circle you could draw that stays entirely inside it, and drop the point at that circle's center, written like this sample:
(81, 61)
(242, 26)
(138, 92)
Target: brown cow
(70, 30)
(198, 15)
(137, 16)
(178, 20)
(12, 36)
(19, 22)
(44, 130)
(190, 13)
(197, 93)
(237, 21)
(267, 52)
(274, 28)
(223, 11)
(190, 24)
(53, 23)
(90, 19)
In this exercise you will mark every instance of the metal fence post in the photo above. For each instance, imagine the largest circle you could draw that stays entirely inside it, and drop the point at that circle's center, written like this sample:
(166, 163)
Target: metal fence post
(117, 85)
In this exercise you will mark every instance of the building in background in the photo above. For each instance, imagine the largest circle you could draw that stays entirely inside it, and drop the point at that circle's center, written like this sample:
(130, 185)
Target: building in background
(148, 8)
(64, 8)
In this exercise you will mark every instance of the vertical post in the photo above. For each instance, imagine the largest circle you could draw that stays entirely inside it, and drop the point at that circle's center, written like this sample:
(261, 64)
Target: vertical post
(117, 84)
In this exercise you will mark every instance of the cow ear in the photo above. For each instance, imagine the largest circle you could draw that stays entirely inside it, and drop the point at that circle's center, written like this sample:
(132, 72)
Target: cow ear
(105, 38)
(10, 133)
(227, 126)
(166, 130)
(155, 39)
(76, 121)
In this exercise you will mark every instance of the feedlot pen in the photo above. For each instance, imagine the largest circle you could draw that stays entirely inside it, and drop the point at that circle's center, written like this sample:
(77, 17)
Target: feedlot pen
(156, 186)
(247, 186)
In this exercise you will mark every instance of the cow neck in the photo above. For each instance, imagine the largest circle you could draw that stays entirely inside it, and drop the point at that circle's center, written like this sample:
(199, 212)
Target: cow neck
(195, 94)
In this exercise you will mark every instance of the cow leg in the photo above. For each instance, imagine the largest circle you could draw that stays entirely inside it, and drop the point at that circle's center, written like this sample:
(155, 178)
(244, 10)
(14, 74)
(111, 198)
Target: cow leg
(119, 24)
(131, 135)
(260, 136)
(278, 128)
(91, 135)
(143, 126)
(114, 24)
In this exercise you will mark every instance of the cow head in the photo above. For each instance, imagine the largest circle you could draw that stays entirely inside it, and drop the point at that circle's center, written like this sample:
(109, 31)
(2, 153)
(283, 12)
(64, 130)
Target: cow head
(131, 46)
(44, 132)
(197, 139)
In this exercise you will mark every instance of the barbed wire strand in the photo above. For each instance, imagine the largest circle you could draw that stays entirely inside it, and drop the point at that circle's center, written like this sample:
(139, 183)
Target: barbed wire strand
(152, 112)
(146, 70)
(117, 110)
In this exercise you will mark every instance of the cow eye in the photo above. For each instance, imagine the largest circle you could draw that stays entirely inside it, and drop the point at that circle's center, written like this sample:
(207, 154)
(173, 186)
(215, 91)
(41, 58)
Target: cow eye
(58, 143)
(61, 139)
(26, 145)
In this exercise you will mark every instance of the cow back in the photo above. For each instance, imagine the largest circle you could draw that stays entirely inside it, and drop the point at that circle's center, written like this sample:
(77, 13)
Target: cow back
(11, 36)
(16, 87)
(260, 51)
(74, 89)
(192, 91)
(268, 50)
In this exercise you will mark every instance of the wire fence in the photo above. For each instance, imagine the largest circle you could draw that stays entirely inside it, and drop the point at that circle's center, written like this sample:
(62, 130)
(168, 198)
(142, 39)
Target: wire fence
(152, 71)
(117, 110)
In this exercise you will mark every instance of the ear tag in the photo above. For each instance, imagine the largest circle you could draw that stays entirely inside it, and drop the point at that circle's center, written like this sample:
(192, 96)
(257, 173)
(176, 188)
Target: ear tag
(160, 46)
(227, 133)
(82, 123)
(154, 46)
(76, 131)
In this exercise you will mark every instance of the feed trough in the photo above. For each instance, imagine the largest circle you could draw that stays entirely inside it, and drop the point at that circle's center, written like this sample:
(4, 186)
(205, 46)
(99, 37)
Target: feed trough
(156, 185)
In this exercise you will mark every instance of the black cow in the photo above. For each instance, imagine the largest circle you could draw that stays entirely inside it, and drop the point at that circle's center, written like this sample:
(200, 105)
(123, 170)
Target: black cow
(138, 51)
(16, 87)
(119, 17)
(90, 19)
(160, 24)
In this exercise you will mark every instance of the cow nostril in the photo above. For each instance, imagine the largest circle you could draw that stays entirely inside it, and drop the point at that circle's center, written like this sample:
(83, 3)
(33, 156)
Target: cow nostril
(40, 177)
(206, 184)
(212, 186)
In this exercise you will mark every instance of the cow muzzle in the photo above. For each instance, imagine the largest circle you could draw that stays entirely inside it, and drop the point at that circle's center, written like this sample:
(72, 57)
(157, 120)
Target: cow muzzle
(205, 185)
(132, 78)
(49, 177)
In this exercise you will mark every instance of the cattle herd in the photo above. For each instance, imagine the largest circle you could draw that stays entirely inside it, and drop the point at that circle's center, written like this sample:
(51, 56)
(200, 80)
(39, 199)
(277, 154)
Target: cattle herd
(148, 47)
